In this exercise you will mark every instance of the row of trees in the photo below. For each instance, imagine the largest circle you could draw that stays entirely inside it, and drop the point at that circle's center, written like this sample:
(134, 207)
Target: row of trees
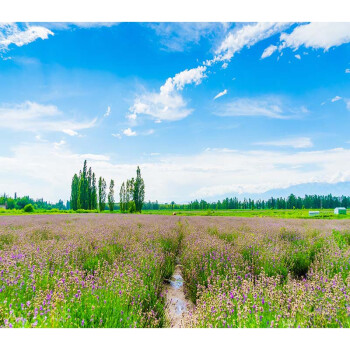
(291, 202)
(132, 194)
(20, 202)
(85, 194)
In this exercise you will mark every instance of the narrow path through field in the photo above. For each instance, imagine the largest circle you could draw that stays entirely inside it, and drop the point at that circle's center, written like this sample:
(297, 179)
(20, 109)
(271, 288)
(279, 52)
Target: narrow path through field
(178, 307)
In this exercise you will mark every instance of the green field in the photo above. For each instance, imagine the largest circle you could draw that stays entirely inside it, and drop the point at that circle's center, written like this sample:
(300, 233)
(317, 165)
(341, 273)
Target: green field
(278, 213)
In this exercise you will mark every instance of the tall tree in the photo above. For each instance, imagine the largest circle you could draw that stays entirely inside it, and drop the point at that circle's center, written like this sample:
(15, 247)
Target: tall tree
(89, 189)
(74, 192)
(111, 196)
(139, 191)
(93, 193)
(122, 198)
(102, 193)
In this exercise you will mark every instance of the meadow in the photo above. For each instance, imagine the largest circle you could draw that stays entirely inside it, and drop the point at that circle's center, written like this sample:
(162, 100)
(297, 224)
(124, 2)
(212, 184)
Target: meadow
(93, 270)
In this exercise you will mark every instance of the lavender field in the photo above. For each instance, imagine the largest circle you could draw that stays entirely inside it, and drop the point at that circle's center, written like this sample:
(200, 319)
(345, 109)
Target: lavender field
(107, 270)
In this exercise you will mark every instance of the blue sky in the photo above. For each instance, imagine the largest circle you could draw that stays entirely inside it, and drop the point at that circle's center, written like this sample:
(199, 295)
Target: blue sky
(205, 109)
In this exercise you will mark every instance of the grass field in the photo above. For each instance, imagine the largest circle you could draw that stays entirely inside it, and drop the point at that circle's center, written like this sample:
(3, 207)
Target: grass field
(93, 270)
(280, 213)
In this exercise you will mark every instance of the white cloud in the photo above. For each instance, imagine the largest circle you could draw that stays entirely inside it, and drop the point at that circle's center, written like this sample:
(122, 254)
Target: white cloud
(129, 132)
(269, 51)
(118, 136)
(10, 34)
(131, 116)
(297, 142)
(246, 36)
(298, 57)
(32, 116)
(168, 104)
(188, 76)
(57, 145)
(70, 132)
(347, 102)
(224, 65)
(347, 70)
(222, 93)
(148, 132)
(46, 171)
(336, 98)
(269, 106)
(108, 112)
(179, 36)
(161, 106)
(318, 35)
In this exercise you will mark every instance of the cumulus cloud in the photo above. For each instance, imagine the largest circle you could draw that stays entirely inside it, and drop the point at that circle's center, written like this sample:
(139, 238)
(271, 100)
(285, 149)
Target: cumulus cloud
(269, 107)
(222, 93)
(213, 172)
(168, 104)
(297, 56)
(129, 132)
(269, 51)
(11, 33)
(35, 117)
(318, 35)
(296, 142)
(347, 70)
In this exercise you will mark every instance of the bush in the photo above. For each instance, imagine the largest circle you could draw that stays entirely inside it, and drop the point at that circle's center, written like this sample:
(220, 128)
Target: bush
(28, 208)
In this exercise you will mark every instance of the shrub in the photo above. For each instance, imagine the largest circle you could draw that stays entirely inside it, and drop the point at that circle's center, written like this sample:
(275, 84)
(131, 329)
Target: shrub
(28, 208)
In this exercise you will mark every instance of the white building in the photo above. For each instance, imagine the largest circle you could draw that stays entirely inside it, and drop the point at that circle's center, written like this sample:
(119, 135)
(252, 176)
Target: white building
(340, 210)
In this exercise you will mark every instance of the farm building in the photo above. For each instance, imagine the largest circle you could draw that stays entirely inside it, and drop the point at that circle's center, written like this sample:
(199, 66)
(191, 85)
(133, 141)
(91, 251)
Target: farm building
(3, 206)
(340, 210)
(314, 213)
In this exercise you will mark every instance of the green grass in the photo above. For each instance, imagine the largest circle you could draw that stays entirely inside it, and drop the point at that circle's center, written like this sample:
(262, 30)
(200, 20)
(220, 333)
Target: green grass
(277, 213)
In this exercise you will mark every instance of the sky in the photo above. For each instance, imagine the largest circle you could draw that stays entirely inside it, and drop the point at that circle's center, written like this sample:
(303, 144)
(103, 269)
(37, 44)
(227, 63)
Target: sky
(205, 109)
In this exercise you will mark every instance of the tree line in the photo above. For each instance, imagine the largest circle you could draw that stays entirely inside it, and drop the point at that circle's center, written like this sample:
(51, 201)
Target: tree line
(290, 202)
(87, 195)
(20, 202)
(132, 194)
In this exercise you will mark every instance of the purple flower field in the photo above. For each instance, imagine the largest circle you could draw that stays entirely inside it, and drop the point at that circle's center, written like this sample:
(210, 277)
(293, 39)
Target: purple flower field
(107, 270)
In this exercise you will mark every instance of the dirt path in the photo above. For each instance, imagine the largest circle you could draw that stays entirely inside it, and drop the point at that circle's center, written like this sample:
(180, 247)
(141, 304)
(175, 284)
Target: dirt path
(178, 307)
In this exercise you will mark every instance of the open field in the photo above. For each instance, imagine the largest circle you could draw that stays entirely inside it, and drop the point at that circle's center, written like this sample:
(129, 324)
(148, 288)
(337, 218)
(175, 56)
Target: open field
(93, 270)
(278, 213)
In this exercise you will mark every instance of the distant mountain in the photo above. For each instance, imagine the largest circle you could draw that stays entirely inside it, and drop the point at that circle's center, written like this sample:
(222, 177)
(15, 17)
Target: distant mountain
(337, 189)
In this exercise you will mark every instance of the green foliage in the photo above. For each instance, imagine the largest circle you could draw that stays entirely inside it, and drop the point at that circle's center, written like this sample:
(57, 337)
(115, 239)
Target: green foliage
(342, 238)
(138, 191)
(102, 193)
(111, 196)
(28, 208)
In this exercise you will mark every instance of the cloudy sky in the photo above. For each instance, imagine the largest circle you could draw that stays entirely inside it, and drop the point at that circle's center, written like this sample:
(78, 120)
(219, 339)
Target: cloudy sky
(205, 109)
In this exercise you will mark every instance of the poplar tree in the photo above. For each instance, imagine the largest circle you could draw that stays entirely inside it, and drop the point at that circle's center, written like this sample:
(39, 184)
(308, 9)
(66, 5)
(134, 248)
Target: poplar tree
(122, 202)
(93, 193)
(89, 189)
(138, 191)
(74, 192)
(102, 193)
(111, 196)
